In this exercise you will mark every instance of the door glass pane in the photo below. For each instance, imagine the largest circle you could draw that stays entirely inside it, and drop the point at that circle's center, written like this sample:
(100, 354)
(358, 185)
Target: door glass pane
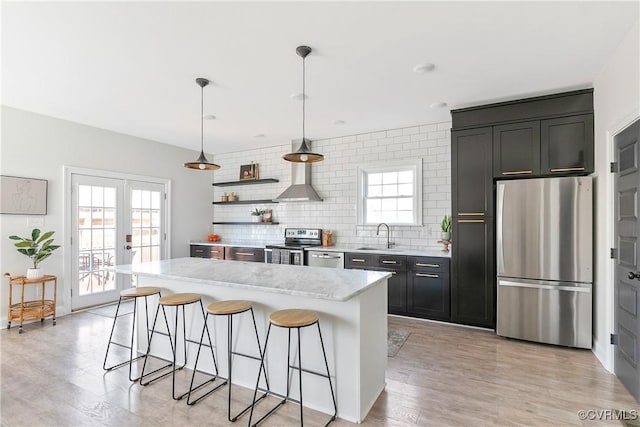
(146, 225)
(97, 238)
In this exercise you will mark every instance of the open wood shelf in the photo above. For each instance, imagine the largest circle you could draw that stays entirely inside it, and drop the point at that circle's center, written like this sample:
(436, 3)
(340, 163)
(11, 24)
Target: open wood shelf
(245, 182)
(243, 223)
(245, 202)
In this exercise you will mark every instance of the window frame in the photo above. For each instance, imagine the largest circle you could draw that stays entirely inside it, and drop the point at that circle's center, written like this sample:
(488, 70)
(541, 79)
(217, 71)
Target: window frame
(393, 166)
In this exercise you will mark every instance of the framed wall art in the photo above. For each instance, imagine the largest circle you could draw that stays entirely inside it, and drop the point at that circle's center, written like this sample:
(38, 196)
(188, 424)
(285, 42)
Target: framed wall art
(23, 196)
(249, 172)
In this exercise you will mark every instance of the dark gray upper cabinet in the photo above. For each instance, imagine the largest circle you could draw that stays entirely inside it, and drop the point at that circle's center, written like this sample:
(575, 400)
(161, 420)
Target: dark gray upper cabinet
(567, 145)
(516, 149)
(472, 172)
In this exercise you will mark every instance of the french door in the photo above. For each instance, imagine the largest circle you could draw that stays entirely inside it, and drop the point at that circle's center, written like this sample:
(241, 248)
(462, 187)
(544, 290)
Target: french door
(113, 221)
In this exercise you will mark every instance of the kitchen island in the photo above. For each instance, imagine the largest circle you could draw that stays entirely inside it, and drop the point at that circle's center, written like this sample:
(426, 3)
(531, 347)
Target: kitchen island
(353, 316)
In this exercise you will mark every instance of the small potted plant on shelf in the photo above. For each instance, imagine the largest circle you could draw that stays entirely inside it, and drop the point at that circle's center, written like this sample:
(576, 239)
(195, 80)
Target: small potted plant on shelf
(39, 247)
(257, 214)
(445, 226)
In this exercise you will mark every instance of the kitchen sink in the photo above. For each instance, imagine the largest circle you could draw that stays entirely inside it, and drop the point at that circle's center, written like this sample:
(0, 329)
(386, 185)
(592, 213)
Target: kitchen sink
(369, 248)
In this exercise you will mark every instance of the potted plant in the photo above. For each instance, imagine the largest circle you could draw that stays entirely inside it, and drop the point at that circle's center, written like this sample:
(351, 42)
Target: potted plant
(39, 247)
(445, 227)
(257, 214)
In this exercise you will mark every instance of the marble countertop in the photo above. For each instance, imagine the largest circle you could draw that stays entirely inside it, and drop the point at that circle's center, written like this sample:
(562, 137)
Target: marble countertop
(311, 282)
(243, 243)
(393, 251)
(372, 250)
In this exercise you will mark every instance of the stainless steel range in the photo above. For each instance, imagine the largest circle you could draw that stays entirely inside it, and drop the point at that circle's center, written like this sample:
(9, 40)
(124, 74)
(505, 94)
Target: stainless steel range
(292, 250)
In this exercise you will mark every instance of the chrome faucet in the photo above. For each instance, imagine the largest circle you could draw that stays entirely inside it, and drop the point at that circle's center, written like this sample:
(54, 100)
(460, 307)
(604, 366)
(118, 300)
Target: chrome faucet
(388, 232)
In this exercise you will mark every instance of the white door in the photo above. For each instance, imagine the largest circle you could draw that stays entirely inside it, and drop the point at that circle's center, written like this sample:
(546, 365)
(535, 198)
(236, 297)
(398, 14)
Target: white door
(113, 221)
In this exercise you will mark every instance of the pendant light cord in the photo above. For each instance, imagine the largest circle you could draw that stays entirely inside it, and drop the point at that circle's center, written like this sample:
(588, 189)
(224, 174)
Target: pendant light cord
(202, 119)
(303, 96)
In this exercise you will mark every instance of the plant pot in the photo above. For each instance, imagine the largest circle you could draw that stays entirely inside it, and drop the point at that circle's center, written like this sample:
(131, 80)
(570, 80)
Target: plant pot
(34, 273)
(445, 235)
(256, 218)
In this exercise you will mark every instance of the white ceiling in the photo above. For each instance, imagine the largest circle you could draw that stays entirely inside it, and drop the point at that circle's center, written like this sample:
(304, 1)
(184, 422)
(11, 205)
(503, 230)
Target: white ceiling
(130, 67)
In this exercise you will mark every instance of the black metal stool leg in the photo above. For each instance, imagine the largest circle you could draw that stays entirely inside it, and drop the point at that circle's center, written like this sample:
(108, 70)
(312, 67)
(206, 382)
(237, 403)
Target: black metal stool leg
(300, 375)
(326, 364)
(153, 328)
(205, 328)
(255, 392)
(113, 327)
(133, 330)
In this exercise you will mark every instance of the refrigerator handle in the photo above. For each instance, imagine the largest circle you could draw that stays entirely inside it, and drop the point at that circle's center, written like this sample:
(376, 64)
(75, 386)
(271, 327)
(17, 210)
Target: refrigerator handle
(499, 242)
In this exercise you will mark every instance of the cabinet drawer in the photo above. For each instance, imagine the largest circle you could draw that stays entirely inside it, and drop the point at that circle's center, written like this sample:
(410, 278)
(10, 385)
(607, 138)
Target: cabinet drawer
(358, 260)
(239, 253)
(396, 262)
(204, 251)
(428, 264)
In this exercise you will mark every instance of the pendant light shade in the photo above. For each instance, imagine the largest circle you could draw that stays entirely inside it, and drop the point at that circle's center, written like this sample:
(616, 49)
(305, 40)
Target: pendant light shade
(304, 153)
(201, 162)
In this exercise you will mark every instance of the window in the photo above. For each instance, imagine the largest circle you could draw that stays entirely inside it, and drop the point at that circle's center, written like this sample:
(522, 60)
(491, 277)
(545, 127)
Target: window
(390, 192)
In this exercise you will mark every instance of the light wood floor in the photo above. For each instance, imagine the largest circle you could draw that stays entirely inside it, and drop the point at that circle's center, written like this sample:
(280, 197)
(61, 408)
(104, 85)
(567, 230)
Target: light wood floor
(443, 375)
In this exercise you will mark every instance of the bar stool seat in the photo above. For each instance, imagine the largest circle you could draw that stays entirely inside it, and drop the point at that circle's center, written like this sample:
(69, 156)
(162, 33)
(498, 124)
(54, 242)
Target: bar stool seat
(135, 293)
(293, 318)
(179, 299)
(143, 291)
(229, 309)
(175, 300)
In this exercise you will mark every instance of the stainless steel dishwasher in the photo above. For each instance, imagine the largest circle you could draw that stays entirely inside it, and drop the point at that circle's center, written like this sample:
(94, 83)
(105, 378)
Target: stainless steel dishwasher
(325, 259)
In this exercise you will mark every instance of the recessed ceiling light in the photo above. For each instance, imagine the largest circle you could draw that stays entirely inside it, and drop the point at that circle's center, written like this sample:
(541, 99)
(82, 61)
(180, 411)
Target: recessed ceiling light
(423, 68)
(298, 96)
(259, 135)
(339, 122)
(438, 105)
(209, 117)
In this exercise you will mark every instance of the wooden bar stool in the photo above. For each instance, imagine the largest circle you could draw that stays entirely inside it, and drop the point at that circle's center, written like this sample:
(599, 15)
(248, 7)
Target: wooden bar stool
(293, 319)
(228, 309)
(135, 293)
(177, 301)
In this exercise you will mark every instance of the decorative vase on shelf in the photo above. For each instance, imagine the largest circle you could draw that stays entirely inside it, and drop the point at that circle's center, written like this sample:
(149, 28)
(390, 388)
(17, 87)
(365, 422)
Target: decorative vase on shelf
(34, 273)
(445, 235)
(256, 218)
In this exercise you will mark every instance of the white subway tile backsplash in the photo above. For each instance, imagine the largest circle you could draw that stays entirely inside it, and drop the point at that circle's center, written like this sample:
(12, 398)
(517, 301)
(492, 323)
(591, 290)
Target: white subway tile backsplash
(335, 180)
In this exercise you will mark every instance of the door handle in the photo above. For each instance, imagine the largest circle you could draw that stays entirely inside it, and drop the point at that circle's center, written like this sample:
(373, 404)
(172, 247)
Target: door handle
(633, 275)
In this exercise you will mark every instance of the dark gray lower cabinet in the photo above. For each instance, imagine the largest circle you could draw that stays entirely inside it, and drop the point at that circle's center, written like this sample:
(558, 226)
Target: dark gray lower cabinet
(239, 253)
(428, 287)
(206, 251)
(423, 295)
(473, 272)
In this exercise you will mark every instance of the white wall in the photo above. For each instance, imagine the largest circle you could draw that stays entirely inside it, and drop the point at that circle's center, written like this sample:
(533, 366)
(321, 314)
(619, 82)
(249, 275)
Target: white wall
(335, 181)
(37, 146)
(616, 104)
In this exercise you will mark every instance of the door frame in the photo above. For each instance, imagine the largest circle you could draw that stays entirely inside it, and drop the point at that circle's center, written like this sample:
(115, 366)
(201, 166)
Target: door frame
(610, 272)
(67, 227)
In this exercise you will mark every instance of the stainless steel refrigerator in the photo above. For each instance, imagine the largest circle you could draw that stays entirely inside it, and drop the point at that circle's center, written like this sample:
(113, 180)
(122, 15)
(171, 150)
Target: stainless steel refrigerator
(544, 240)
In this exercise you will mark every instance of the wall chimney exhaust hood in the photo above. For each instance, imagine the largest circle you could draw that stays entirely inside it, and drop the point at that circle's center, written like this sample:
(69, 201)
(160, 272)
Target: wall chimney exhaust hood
(300, 189)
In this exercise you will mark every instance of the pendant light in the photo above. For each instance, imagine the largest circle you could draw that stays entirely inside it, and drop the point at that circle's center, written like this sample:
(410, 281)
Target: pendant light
(201, 162)
(304, 153)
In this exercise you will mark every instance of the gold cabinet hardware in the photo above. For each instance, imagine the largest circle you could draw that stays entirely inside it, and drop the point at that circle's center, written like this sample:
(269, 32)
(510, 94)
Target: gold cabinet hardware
(244, 253)
(419, 264)
(517, 173)
(470, 213)
(567, 169)
(357, 260)
(433, 276)
(388, 262)
(481, 221)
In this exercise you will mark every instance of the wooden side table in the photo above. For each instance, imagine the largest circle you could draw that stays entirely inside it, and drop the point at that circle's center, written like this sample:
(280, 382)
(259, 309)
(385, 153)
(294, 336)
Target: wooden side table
(33, 309)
